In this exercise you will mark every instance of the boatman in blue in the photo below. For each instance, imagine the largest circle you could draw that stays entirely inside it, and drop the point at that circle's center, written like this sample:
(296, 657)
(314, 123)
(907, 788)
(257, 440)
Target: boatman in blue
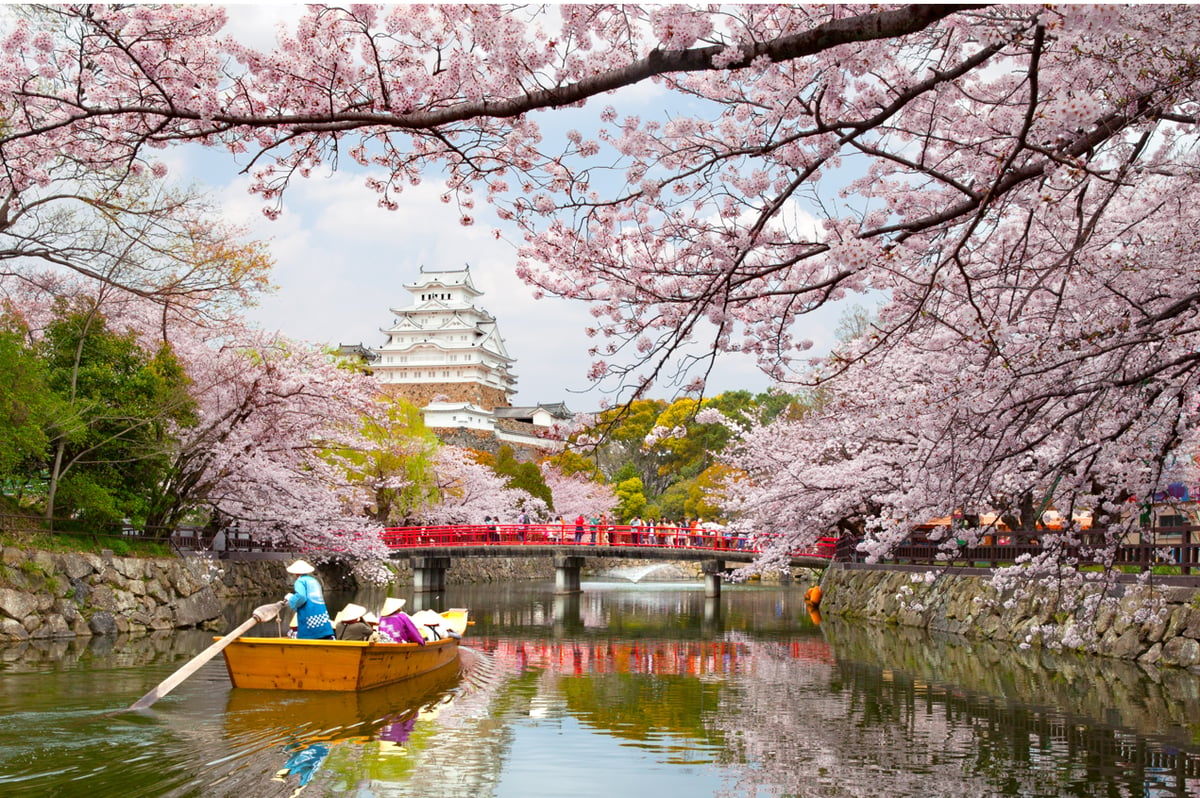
(308, 600)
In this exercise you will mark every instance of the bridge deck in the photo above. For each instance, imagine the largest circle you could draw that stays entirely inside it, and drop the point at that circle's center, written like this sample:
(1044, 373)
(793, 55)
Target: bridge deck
(613, 541)
(641, 552)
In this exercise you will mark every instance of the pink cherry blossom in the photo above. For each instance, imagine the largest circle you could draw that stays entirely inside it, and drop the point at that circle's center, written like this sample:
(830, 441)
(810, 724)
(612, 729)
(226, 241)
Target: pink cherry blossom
(1012, 183)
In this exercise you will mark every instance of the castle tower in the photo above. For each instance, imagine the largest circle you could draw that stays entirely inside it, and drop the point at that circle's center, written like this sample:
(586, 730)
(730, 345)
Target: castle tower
(443, 345)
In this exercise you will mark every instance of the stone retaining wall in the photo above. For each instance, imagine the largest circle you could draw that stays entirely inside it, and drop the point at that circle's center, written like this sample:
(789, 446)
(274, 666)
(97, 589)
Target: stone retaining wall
(72, 594)
(1152, 624)
(50, 595)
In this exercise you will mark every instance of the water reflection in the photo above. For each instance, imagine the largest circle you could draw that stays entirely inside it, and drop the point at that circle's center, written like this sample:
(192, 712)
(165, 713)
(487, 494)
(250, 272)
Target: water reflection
(314, 724)
(638, 690)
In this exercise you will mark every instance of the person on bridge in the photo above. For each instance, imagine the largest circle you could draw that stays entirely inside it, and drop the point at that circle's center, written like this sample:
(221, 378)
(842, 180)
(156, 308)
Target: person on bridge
(579, 522)
(308, 600)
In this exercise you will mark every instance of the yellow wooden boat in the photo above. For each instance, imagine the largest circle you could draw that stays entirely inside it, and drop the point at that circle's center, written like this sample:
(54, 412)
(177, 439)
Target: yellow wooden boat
(281, 663)
(326, 715)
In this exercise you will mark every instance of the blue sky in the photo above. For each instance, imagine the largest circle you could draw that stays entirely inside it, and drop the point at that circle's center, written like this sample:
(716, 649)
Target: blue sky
(342, 262)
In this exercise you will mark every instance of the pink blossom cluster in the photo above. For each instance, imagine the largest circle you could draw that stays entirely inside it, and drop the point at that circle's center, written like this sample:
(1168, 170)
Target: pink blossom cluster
(576, 495)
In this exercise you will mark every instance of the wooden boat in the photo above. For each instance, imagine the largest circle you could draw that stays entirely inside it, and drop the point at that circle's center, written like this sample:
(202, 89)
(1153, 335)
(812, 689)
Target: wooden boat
(325, 715)
(281, 663)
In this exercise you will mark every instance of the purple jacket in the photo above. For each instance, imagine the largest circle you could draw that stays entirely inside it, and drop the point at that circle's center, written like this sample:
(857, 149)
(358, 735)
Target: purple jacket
(400, 628)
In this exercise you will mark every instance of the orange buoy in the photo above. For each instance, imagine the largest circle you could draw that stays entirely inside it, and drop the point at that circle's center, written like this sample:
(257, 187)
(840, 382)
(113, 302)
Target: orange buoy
(813, 596)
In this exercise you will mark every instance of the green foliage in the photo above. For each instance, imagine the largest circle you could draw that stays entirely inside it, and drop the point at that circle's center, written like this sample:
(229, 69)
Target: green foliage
(110, 443)
(572, 463)
(705, 494)
(398, 465)
(632, 500)
(522, 476)
(673, 501)
(680, 474)
(625, 472)
(624, 430)
(26, 409)
(31, 569)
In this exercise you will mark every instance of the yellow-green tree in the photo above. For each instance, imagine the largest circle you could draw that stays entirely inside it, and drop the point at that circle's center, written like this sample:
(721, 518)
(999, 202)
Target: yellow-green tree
(397, 463)
(631, 498)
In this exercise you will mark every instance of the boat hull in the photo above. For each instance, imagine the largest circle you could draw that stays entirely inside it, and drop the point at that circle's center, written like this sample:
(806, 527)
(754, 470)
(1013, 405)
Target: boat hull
(280, 663)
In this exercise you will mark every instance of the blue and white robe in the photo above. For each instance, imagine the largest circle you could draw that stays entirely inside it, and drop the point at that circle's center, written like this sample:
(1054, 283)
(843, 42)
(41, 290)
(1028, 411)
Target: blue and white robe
(312, 618)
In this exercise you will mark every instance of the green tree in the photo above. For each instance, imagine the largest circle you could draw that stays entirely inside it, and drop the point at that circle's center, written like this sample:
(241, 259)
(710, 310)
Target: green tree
(572, 463)
(631, 498)
(691, 453)
(398, 463)
(113, 446)
(26, 411)
(622, 433)
(524, 476)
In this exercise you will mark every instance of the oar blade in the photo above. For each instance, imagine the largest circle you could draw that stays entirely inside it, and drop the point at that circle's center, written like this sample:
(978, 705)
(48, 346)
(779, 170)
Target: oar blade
(262, 614)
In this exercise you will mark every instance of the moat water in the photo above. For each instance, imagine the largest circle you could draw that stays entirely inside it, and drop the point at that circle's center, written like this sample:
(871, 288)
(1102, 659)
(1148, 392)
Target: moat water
(627, 690)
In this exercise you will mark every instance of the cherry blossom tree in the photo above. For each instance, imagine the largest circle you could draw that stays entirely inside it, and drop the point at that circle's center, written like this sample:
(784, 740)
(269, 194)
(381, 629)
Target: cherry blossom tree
(577, 495)
(1014, 183)
(469, 491)
(277, 421)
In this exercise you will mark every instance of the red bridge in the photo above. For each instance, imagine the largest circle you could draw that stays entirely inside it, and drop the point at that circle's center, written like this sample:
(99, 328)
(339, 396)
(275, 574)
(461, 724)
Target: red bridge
(432, 547)
(608, 540)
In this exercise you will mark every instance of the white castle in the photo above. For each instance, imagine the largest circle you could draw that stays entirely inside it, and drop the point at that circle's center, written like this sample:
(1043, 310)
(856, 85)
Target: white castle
(445, 355)
(443, 341)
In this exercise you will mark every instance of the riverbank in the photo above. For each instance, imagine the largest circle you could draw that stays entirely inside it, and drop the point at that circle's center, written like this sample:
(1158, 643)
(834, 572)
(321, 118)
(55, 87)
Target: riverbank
(58, 595)
(1151, 624)
(47, 595)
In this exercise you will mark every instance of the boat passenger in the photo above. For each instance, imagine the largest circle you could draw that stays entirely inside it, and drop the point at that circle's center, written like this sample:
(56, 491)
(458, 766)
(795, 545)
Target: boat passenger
(350, 623)
(308, 600)
(395, 626)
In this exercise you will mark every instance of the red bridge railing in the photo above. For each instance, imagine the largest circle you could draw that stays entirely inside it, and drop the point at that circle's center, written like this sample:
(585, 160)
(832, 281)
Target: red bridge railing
(617, 536)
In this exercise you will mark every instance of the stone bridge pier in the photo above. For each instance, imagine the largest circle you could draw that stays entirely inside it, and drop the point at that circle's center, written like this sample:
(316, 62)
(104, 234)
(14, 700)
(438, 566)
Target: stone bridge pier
(430, 564)
(429, 574)
(714, 574)
(566, 574)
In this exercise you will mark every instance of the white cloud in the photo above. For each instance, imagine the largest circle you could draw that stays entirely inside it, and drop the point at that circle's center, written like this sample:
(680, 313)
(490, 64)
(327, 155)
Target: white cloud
(255, 24)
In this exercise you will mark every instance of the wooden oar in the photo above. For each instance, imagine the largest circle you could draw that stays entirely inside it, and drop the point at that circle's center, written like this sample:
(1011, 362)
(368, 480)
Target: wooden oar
(262, 614)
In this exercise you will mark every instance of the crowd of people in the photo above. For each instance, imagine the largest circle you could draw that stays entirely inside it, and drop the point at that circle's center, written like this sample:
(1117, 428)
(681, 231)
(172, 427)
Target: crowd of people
(592, 529)
(600, 530)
